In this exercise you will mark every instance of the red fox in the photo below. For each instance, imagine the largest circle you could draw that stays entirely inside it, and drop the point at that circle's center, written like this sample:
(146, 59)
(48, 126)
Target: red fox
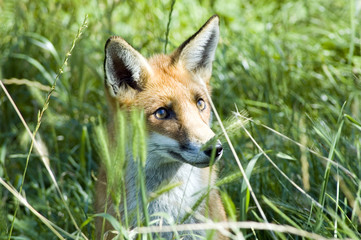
(178, 117)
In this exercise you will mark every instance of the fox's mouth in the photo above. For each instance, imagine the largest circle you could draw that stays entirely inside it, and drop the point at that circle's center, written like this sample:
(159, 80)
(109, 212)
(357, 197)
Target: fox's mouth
(201, 164)
(168, 150)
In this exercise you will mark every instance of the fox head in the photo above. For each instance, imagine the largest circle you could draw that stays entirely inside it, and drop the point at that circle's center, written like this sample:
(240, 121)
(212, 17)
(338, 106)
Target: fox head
(172, 91)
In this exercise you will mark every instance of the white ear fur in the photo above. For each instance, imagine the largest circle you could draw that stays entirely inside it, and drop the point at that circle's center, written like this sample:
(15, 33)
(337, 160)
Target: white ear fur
(124, 67)
(197, 53)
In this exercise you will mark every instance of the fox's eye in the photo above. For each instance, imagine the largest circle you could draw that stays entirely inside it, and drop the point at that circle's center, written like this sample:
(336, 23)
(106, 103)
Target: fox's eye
(161, 113)
(201, 104)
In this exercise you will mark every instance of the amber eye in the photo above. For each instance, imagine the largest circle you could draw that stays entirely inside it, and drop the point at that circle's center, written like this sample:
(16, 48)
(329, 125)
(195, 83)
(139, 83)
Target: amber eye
(161, 113)
(201, 104)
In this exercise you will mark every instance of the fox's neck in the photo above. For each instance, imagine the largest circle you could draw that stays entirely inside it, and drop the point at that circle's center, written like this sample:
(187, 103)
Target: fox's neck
(176, 202)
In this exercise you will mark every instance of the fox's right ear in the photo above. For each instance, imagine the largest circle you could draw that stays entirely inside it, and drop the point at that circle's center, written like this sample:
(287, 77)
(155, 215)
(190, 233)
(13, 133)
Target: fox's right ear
(197, 52)
(125, 68)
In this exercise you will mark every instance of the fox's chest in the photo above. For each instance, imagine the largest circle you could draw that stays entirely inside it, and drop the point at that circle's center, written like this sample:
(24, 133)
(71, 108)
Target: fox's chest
(182, 199)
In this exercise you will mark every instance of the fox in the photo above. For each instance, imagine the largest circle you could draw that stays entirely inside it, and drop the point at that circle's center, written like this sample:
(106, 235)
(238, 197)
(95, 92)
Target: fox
(173, 91)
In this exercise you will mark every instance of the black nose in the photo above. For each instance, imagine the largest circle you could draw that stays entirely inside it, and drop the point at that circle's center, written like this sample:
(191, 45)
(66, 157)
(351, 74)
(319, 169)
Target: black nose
(218, 150)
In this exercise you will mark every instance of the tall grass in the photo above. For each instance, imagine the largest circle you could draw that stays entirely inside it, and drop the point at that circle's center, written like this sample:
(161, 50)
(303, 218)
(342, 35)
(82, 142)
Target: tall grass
(294, 67)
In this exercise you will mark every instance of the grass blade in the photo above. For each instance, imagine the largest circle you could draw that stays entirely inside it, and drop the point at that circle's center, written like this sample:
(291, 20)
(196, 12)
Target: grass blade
(32, 135)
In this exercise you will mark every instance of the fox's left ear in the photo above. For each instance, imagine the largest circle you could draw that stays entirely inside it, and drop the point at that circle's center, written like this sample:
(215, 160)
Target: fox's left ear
(197, 52)
(125, 68)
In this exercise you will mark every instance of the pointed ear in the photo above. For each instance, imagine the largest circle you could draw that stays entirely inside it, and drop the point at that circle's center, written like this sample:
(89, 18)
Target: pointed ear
(125, 68)
(197, 53)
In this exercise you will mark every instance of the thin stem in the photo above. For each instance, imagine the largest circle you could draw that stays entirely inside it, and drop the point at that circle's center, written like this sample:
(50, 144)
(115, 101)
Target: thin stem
(32, 135)
(234, 153)
(168, 26)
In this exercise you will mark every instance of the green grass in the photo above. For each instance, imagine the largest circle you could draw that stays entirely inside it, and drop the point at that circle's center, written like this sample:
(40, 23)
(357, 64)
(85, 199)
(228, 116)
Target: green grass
(294, 66)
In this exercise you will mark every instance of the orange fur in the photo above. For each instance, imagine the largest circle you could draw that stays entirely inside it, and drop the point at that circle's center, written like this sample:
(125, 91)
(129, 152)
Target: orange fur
(169, 82)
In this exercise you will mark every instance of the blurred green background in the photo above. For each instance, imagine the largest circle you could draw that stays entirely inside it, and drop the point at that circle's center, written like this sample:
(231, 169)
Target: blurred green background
(294, 66)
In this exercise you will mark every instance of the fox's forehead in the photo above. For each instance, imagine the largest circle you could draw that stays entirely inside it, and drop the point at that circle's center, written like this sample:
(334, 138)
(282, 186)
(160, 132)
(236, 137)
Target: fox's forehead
(169, 83)
(165, 71)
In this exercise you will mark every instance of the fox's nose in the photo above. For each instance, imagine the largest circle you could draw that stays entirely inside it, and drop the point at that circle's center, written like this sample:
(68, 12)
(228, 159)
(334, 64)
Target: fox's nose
(218, 150)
